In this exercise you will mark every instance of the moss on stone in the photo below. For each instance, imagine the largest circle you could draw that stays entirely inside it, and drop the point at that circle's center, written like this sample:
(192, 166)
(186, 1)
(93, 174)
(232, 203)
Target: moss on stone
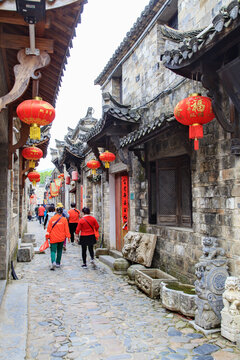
(142, 228)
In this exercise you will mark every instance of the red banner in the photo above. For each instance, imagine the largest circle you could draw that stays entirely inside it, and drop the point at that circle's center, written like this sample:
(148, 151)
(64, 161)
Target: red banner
(81, 205)
(53, 189)
(124, 183)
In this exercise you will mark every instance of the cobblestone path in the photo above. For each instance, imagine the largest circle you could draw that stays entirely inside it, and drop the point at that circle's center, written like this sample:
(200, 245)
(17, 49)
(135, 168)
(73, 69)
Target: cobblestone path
(92, 314)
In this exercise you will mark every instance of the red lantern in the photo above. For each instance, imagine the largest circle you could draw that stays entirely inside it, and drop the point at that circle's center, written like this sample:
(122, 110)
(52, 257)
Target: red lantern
(36, 112)
(61, 176)
(194, 111)
(93, 164)
(107, 157)
(68, 179)
(34, 177)
(75, 176)
(32, 154)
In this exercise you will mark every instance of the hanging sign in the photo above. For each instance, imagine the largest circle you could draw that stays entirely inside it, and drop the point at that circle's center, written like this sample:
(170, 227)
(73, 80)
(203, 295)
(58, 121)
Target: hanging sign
(124, 183)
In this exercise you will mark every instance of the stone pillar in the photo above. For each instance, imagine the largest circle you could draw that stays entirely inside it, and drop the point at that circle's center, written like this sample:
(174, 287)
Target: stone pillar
(211, 272)
(230, 325)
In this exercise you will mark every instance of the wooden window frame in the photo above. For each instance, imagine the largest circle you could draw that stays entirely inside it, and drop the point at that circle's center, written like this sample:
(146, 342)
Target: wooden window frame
(178, 219)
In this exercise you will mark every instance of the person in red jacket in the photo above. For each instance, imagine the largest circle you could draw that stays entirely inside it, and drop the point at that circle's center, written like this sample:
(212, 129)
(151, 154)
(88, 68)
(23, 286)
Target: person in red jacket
(74, 215)
(57, 231)
(41, 210)
(86, 226)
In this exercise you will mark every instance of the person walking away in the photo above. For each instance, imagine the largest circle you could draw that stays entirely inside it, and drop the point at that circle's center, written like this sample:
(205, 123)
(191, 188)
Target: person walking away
(65, 214)
(29, 215)
(74, 215)
(50, 214)
(86, 226)
(41, 210)
(36, 211)
(57, 232)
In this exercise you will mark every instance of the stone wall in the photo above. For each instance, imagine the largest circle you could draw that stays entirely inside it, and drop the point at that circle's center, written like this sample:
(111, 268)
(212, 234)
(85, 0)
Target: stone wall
(5, 213)
(204, 12)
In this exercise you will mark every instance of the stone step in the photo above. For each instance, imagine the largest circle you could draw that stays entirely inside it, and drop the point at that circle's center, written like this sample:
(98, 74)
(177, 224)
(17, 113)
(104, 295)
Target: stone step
(116, 254)
(3, 284)
(14, 321)
(107, 260)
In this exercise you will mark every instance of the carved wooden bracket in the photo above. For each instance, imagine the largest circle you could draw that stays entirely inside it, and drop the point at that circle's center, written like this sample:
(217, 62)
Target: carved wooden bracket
(24, 134)
(23, 72)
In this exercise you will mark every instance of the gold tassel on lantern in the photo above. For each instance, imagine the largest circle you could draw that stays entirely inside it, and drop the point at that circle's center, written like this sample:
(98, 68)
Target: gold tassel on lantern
(35, 132)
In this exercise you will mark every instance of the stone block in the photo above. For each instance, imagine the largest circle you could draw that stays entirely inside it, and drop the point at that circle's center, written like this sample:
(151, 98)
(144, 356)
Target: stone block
(120, 266)
(29, 238)
(139, 247)
(24, 254)
(101, 251)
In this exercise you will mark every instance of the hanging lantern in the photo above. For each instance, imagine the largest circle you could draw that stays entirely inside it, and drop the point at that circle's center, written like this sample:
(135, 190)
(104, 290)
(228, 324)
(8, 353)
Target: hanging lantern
(61, 176)
(107, 157)
(194, 111)
(32, 154)
(34, 177)
(93, 164)
(68, 180)
(36, 112)
(75, 176)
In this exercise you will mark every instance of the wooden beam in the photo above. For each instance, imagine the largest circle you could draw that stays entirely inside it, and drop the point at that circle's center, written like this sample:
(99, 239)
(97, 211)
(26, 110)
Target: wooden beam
(9, 41)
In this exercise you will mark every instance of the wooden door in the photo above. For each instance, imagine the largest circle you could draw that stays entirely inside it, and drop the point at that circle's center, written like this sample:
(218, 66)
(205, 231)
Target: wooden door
(121, 228)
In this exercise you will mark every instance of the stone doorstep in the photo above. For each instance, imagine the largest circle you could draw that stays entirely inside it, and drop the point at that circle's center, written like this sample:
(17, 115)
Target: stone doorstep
(204, 331)
(107, 260)
(101, 251)
(116, 254)
(14, 321)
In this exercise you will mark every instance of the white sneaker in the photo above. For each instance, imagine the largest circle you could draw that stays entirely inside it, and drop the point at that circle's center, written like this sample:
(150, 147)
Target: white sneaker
(57, 265)
(53, 266)
(92, 261)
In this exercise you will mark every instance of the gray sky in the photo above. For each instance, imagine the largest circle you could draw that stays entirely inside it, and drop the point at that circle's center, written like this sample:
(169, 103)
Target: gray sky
(103, 26)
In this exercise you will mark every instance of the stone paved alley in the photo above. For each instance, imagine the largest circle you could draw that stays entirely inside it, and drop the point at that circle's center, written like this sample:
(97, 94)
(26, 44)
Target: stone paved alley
(76, 313)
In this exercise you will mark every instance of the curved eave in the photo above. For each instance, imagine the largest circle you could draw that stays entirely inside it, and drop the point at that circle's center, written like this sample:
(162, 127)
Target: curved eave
(210, 50)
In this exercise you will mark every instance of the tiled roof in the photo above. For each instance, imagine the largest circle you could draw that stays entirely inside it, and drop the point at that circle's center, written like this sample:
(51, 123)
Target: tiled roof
(145, 131)
(124, 114)
(191, 45)
(138, 28)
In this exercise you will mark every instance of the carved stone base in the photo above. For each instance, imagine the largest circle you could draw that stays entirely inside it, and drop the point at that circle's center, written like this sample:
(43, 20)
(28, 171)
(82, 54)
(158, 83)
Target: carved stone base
(205, 317)
(230, 326)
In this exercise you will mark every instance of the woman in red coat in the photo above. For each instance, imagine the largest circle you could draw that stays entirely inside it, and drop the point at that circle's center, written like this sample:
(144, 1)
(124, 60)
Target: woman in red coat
(86, 226)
